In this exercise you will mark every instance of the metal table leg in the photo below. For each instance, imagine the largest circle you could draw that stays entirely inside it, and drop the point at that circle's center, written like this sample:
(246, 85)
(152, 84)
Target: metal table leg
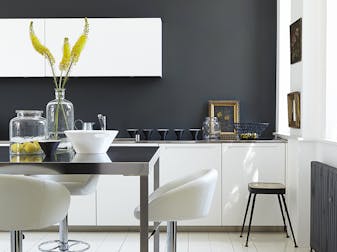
(144, 213)
(16, 241)
(156, 183)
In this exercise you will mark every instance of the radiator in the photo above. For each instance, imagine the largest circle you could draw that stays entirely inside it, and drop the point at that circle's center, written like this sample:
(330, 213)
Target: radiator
(323, 226)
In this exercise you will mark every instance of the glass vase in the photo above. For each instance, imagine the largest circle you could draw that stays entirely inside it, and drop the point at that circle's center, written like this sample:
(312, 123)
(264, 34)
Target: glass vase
(25, 131)
(211, 128)
(60, 116)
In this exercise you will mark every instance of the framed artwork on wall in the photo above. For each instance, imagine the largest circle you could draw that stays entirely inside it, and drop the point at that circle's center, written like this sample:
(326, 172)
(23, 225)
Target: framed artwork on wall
(227, 112)
(296, 41)
(294, 110)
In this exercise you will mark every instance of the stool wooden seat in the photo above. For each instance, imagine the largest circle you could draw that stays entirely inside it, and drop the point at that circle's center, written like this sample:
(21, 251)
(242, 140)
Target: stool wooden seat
(267, 188)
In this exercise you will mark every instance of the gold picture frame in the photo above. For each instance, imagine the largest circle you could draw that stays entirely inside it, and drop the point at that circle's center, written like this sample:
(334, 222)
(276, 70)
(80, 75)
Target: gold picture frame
(227, 112)
(294, 110)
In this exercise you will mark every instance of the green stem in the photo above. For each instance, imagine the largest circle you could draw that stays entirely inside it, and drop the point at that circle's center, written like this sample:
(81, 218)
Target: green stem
(67, 74)
(65, 118)
(53, 71)
(57, 119)
(60, 80)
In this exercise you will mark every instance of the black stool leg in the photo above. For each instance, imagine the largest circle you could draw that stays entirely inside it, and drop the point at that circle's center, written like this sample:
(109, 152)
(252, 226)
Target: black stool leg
(291, 227)
(244, 219)
(250, 220)
(284, 220)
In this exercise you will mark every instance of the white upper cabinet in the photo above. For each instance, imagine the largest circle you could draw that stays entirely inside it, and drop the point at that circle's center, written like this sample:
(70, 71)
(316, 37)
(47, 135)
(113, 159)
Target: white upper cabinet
(18, 57)
(115, 46)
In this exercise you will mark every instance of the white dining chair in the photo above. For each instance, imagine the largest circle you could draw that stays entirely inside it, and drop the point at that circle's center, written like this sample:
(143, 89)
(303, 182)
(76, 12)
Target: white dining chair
(29, 204)
(77, 185)
(182, 199)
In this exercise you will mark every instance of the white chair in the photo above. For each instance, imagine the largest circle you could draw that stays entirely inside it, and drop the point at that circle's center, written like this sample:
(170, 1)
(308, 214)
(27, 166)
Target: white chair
(29, 204)
(77, 185)
(183, 199)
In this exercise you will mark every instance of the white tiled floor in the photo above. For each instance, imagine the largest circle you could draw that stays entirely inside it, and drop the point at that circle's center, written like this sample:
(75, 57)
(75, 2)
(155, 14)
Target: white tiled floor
(187, 242)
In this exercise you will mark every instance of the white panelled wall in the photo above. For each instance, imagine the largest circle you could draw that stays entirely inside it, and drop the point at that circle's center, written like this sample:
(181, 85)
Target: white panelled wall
(237, 165)
(308, 144)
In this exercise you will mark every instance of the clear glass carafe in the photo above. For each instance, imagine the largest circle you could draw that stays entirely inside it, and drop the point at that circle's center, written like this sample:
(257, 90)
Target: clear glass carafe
(25, 130)
(211, 128)
(60, 115)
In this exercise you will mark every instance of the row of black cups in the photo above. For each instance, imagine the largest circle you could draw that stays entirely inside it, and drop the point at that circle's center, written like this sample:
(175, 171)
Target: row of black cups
(163, 133)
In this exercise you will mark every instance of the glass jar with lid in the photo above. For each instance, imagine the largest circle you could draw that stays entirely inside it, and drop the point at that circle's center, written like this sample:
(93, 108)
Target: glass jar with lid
(25, 130)
(211, 128)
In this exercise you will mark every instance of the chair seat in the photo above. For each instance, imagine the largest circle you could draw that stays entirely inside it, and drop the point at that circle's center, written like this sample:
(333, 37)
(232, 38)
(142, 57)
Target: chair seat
(266, 188)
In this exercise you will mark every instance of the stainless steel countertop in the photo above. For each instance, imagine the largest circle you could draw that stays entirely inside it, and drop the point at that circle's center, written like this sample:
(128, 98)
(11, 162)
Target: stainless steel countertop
(128, 141)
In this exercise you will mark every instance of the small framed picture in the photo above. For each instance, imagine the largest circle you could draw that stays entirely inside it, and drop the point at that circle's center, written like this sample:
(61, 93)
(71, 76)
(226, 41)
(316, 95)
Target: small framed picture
(294, 110)
(227, 112)
(296, 41)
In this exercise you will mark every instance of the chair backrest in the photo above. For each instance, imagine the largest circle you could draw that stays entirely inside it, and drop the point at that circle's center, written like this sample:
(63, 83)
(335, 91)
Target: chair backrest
(76, 184)
(29, 203)
(186, 198)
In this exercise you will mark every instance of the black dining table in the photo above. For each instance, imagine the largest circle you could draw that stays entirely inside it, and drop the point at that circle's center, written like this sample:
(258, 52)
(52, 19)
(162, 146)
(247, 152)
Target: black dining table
(127, 161)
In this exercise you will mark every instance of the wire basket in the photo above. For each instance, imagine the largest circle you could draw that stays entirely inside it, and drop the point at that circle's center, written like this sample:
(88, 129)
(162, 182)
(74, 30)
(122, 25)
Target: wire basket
(250, 131)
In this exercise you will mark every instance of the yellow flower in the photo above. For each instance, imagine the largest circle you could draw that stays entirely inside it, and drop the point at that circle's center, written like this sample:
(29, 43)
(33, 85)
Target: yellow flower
(38, 46)
(65, 62)
(80, 43)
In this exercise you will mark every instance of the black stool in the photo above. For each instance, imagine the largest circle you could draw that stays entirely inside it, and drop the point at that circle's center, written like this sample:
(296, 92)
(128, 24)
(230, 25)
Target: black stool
(267, 188)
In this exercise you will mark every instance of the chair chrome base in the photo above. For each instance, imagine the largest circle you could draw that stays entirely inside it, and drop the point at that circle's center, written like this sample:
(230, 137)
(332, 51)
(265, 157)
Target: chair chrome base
(171, 239)
(57, 246)
(63, 244)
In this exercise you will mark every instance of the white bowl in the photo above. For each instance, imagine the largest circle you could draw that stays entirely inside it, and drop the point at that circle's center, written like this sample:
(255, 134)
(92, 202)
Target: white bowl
(91, 141)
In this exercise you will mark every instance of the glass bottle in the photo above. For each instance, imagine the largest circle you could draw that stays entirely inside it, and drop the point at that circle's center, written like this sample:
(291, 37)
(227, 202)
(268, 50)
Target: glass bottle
(211, 128)
(25, 130)
(60, 116)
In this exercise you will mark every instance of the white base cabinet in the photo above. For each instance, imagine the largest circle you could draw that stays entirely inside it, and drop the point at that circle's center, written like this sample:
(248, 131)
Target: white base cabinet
(82, 210)
(245, 163)
(178, 160)
(237, 164)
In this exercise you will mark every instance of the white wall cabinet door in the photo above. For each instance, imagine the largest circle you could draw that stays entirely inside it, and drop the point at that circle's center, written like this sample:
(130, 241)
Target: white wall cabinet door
(18, 57)
(245, 163)
(115, 46)
(82, 210)
(178, 160)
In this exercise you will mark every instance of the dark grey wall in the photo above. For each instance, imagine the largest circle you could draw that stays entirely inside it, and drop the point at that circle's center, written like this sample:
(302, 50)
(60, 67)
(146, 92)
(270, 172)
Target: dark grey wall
(212, 49)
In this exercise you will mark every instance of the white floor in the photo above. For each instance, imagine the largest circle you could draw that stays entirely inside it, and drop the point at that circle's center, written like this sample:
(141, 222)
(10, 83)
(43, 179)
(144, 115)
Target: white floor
(187, 242)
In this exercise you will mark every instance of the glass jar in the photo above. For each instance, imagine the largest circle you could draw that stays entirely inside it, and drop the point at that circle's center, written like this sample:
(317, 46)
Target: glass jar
(25, 130)
(211, 128)
(60, 116)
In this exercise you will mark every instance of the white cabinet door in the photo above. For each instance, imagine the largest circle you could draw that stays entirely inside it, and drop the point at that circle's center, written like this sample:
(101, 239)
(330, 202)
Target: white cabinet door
(82, 211)
(245, 163)
(18, 57)
(178, 160)
(117, 197)
(115, 46)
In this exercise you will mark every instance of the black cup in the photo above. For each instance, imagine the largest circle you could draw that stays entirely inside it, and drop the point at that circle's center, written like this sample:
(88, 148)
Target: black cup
(163, 133)
(132, 132)
(147, 133)
(179, 133)
(195, 133)
(49, 147)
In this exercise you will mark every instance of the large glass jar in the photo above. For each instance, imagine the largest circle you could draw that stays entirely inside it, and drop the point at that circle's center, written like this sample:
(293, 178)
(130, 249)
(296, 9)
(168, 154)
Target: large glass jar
(60, 115)
(25, 130)
(211, 128)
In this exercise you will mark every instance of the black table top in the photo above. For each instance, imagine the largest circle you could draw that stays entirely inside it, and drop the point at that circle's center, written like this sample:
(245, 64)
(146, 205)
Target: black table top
(117, 160)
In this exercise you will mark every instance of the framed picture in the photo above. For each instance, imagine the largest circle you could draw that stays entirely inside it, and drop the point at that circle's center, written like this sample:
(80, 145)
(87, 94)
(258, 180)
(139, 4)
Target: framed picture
(294, 110)
(227, 112)
(296, 41)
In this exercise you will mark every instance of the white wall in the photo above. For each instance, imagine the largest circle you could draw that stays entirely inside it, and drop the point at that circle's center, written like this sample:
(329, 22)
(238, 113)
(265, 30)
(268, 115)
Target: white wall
(307, 77)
